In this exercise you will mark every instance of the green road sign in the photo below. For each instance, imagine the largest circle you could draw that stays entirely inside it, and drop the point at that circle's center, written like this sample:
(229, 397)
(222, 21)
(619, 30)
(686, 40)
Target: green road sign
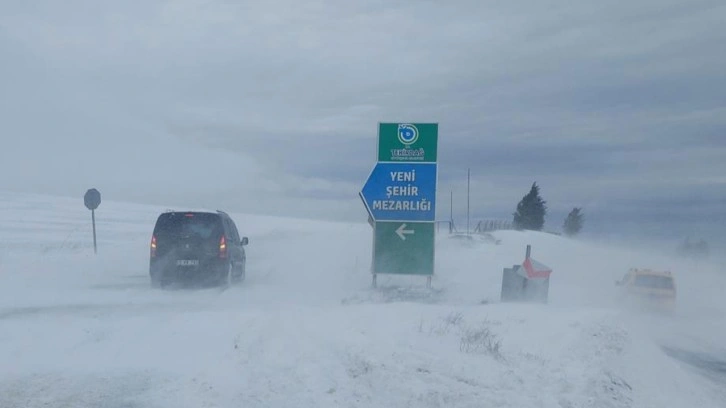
(407, 142)
(404, 247)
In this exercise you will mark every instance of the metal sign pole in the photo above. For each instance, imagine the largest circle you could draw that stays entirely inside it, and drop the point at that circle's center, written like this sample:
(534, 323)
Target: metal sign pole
(92, 199)
(93, 221)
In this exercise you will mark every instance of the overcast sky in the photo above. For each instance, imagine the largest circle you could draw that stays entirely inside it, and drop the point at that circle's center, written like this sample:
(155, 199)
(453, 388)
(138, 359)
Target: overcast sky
(272, 107)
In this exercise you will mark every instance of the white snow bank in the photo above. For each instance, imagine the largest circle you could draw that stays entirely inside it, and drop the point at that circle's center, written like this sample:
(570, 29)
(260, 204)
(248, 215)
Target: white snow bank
(306, 330)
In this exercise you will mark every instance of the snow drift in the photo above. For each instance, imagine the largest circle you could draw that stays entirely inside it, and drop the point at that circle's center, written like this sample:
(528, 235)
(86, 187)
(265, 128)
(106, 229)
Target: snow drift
(306, 330)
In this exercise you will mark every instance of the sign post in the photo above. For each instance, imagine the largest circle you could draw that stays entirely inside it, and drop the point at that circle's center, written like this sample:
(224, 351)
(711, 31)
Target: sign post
(400, 197)
(92, 199)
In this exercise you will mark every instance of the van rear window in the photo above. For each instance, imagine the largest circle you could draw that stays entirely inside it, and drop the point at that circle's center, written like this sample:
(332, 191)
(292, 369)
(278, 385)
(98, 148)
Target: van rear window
(654, 282)
(199, 225)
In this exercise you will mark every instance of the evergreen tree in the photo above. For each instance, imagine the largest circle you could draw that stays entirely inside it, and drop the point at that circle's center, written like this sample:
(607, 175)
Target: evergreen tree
(694, 249)
(531, 211)
(573, 222)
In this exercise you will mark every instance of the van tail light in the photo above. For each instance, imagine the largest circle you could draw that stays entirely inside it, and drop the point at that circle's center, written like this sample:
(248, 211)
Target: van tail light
(222, 247)
(153, 246)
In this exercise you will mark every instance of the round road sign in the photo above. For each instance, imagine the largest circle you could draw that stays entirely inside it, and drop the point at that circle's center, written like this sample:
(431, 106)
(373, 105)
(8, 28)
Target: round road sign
(92, 199)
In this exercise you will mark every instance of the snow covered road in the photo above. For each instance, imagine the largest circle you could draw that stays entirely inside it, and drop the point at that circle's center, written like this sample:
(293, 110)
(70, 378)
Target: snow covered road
(711, 364)
(306, 330)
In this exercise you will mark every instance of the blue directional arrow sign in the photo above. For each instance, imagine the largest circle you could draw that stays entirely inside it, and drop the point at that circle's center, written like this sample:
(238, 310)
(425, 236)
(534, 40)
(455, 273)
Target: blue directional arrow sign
(401, 192)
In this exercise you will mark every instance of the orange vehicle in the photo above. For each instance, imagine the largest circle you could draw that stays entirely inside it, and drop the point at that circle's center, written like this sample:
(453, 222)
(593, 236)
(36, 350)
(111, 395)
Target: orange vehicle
(652, 290)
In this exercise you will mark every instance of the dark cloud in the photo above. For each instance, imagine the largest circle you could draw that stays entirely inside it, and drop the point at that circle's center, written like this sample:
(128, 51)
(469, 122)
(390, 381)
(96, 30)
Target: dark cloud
(606, 104)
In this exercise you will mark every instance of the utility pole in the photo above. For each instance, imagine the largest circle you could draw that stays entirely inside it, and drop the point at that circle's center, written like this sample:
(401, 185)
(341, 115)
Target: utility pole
(451, 213)
(468, 184)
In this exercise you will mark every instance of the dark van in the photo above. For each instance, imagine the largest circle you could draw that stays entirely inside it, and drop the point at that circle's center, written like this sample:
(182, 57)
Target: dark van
(199, 247)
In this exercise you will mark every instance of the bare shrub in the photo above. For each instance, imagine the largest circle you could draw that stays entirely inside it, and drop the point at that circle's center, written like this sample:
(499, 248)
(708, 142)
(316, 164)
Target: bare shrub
(481, 341)
(447, 323)
(454, 319)
(535, 358)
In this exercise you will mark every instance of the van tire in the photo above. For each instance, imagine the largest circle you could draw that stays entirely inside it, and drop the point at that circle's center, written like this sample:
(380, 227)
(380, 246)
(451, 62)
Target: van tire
(225, 280)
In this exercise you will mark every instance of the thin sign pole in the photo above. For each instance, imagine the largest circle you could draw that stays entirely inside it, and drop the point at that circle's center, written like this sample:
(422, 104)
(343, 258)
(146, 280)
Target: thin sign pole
(93, 221)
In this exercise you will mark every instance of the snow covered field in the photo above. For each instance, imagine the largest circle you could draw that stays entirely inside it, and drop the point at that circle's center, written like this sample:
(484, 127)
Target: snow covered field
(307, 330)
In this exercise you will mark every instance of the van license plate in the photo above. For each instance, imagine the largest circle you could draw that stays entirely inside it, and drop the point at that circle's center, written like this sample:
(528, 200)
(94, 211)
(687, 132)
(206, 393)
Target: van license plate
(187, 262)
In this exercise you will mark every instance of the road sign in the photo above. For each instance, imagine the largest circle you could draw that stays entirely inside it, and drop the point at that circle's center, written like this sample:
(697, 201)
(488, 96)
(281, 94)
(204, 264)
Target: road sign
(401, 192)
(92, 199)
(407, 142)
(404, 248)
(400, 197)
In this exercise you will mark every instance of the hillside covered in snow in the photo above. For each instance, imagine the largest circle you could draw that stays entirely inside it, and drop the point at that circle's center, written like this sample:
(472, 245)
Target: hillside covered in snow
(306, 329)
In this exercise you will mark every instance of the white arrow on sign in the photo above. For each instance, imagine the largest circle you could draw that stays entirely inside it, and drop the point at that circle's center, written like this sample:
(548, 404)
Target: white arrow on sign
(402, 231)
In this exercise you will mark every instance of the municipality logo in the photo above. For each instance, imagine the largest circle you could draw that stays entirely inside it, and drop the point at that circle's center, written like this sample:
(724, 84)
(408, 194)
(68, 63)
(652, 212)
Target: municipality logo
(407, 134)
